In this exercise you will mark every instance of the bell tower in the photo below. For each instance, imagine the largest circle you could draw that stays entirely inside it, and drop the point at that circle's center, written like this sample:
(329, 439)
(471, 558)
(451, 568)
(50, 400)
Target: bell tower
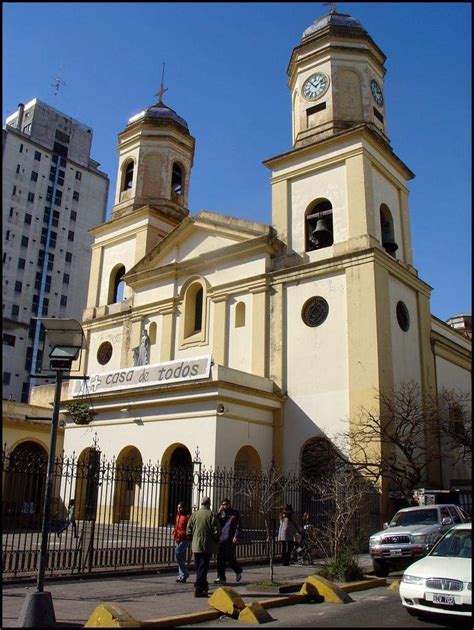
(156, 152)
(341, 187)
(358, 312)
(336, 78)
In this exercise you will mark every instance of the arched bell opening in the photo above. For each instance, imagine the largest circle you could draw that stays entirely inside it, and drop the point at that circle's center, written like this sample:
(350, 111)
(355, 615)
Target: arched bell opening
(127, 180)
(116, 285)
(177, 183)
(319, 225)
(387, 231)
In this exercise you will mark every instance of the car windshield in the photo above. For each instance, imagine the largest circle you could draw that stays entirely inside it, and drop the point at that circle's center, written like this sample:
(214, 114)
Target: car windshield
(455, 544)
(415, 517)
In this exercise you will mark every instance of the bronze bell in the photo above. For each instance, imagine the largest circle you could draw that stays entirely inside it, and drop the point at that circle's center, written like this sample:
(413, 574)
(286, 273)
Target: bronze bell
(321, 236)
(390, 247)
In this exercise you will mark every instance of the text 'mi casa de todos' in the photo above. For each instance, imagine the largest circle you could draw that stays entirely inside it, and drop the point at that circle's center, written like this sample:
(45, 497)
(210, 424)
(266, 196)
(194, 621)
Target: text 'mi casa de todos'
(249, 341)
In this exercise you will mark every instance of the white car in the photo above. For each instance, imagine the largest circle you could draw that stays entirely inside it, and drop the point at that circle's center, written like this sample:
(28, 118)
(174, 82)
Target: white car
(441, 582)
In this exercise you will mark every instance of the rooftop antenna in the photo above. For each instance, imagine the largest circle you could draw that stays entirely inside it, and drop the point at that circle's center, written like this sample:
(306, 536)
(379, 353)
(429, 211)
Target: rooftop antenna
(162, 89)
(57, 81)
(332, 5)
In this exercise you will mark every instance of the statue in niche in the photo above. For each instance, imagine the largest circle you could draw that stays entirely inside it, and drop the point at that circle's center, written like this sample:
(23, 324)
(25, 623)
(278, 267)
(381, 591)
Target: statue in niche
(141, 354)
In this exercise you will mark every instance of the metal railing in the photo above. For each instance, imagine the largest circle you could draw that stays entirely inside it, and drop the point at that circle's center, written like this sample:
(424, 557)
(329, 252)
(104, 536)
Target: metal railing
(124, 510)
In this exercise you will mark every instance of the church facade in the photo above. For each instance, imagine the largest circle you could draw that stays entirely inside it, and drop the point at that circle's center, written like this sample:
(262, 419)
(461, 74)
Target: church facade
(245, 342)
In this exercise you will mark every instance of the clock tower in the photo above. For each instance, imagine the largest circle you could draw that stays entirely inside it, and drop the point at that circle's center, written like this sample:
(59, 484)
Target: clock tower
(336, 78)
(346, 288)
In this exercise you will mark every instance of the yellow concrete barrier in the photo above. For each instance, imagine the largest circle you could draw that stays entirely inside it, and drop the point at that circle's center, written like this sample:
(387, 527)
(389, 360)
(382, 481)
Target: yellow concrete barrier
(316, 585)
(108, 615)
(394, 586)
(227, 601)
(255, 613)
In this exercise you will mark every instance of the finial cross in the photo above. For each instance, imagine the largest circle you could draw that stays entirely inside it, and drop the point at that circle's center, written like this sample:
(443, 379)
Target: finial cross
(162, 90)
(332, 5)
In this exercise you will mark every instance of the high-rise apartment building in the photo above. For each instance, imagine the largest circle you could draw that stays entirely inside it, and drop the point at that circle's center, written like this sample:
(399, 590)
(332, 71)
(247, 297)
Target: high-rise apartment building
(53, 193)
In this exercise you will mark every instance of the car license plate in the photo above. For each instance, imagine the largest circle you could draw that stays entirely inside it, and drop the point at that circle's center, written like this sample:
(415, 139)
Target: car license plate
(395, 552)
(443, 599)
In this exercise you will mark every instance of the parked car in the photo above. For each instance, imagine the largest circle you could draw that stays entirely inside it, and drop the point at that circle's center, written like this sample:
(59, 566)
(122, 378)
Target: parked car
(410, 535)
(441, 581)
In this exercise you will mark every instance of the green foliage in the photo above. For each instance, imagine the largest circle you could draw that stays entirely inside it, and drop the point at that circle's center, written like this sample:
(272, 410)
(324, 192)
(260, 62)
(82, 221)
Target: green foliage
(342, 568)
(80, 412)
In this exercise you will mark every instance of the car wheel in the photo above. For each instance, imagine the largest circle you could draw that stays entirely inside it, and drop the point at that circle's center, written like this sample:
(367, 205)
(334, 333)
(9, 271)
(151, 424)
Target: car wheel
(381, 569)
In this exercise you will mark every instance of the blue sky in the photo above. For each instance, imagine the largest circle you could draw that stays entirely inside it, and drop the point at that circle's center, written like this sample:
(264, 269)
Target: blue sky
(226, 75)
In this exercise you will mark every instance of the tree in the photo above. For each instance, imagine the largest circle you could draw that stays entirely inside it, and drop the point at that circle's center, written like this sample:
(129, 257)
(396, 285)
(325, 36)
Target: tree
(343, 507)
(264, 493)
(455, 424)
(400, 441)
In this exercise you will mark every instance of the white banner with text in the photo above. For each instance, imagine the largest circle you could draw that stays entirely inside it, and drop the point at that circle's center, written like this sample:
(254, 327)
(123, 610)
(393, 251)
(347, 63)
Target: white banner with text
(144, 375)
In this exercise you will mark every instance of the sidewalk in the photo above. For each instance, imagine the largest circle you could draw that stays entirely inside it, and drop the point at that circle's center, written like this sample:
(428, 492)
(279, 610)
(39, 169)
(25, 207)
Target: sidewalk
(143, 596)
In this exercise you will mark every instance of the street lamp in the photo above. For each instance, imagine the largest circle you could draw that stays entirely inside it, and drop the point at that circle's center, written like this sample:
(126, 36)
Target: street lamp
(66, 339)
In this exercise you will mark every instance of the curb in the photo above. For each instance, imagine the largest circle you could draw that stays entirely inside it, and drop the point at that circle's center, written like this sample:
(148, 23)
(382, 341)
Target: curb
(275, 602)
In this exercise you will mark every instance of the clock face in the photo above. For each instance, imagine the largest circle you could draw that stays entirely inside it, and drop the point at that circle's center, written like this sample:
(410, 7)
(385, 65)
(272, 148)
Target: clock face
(315, 86)
(376, 92)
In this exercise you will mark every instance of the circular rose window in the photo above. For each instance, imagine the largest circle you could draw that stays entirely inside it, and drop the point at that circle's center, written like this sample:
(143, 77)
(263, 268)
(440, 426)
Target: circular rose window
(403, 317)
(104, 353)
(315, 311)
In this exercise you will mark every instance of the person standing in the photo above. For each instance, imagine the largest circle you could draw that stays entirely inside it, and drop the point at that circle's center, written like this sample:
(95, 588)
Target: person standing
(230, 522)
(286, 534)
(181, 541)
(204, 530)
(70, 520)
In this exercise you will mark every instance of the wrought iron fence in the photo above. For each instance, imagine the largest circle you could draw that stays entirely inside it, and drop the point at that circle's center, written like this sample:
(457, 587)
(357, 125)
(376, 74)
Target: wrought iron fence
(124, 511)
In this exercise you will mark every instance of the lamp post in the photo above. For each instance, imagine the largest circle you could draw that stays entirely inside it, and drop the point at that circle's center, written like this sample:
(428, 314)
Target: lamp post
(66, 339)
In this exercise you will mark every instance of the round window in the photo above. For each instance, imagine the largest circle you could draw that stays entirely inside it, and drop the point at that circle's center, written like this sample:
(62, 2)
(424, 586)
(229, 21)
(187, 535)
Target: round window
(315, 311)
(104, 353)
(403, 317)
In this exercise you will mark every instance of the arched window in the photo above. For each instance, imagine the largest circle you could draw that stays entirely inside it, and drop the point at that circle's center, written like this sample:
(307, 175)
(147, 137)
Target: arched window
(198, 310)
(177, 187)
(128, 175)
(387, 231)
(319, 226)
(194, 309)
(116, 285)
(240, 314)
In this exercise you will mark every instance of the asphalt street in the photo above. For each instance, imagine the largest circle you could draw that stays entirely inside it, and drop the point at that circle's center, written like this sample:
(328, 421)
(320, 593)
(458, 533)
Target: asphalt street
(374, 608)
(156, 596)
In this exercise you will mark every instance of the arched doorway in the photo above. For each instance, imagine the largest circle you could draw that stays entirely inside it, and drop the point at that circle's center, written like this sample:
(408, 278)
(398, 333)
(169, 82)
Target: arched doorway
(177, 477)
(24, 485)
(128, 481)
(247, 469)
(87, 484)
(318, 463)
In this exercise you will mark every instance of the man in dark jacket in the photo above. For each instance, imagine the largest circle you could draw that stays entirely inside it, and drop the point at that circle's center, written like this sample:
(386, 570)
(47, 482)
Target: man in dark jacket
(229, 520)
(204, 530)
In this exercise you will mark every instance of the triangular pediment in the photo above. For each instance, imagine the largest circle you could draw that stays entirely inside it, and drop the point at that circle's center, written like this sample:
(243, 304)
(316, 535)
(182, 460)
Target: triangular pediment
(198, 236)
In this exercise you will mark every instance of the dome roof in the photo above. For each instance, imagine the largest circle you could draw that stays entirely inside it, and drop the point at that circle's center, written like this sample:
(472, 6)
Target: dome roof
(333, 19)
(159, 112)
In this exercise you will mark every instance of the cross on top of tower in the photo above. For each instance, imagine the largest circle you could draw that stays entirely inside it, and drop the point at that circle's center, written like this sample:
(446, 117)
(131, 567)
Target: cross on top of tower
(331, 5)
(162, 89)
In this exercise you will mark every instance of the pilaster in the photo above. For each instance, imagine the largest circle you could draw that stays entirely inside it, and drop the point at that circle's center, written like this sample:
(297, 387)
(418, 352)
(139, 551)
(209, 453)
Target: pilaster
(219, 346)
(259, 331)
